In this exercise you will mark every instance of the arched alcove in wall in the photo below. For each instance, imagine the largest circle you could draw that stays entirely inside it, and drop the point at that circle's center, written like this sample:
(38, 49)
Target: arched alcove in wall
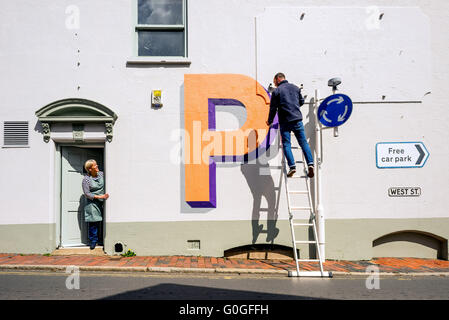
(260, 251)
(411, 243)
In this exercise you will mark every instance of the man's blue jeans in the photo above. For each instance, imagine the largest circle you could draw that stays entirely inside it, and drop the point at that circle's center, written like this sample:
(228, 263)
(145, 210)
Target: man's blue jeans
(298, 129)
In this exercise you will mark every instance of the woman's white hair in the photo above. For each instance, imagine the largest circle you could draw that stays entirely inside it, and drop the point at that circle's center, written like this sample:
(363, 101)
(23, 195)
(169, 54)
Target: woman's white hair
(88, 164)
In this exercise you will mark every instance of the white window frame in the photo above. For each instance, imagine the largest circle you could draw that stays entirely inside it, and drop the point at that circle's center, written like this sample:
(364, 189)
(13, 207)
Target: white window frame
(181, 60)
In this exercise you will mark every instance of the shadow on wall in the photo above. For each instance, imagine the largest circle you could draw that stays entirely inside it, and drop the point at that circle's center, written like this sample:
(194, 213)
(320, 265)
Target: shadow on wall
(261, 184)
(411, 243)
(309, 129)
(38, 127)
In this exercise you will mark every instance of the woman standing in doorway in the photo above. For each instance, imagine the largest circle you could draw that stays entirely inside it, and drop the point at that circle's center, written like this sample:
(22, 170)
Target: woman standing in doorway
(93, 188)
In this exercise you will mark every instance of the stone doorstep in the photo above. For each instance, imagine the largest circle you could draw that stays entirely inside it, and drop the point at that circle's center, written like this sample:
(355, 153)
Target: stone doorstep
(70, 251)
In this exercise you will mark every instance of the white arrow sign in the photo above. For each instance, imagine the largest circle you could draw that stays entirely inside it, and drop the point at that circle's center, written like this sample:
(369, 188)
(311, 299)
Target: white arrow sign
(339, 100)
(341, 117)
(323, 115)
(401, 155)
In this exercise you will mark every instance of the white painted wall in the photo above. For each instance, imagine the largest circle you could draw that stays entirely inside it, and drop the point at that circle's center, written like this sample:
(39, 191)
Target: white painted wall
(39, 65)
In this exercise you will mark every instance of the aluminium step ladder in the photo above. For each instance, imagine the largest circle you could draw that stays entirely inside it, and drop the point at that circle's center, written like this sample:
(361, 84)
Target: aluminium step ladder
(312, 219)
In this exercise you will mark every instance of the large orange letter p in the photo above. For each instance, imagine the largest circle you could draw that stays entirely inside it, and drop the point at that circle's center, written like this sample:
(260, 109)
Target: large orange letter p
(204, 145)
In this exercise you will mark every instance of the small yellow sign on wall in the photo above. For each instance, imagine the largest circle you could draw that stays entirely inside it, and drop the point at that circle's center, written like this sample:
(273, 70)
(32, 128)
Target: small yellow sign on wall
(156, 98)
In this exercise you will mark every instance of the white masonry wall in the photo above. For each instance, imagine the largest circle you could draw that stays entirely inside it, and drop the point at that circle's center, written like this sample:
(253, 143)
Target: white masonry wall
(387, 65)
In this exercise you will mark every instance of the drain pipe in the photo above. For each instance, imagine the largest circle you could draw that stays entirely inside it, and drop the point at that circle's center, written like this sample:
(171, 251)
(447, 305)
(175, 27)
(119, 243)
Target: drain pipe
(319, 210)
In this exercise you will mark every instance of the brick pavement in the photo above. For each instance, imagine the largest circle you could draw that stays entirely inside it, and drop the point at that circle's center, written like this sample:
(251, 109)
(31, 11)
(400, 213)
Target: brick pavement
(389, 265)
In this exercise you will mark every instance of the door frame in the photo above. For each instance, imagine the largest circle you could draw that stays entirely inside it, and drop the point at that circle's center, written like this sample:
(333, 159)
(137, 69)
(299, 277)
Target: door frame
(58, 187)
(72, 121)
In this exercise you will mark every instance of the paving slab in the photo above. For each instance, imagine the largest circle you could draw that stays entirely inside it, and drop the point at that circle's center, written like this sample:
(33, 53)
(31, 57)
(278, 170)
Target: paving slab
(193, 264)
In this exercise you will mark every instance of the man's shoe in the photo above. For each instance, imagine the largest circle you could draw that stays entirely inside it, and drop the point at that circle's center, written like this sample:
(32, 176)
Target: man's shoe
(291, 172)
(92, 246)
(310, 173)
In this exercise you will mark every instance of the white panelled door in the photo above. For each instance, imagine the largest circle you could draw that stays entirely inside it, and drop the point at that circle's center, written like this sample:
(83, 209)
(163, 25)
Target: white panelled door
(73, 227)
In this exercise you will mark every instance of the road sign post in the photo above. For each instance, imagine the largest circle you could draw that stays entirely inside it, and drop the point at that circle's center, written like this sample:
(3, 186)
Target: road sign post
(332, 113)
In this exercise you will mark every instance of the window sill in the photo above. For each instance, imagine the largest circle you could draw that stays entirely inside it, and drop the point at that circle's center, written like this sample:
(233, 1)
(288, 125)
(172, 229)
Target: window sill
(15, 146)
(159, 61)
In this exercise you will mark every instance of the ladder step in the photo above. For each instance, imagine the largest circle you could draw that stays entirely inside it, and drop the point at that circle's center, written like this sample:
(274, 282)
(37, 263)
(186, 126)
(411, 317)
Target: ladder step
(300, 208)
(302, 174)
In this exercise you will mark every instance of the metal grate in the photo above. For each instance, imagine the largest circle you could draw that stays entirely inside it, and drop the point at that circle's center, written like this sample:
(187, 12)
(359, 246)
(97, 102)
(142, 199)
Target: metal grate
(193, 244)
(15, 133)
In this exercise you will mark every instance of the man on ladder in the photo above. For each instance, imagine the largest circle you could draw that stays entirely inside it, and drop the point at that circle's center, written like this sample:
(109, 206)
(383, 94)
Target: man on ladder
(286, 100)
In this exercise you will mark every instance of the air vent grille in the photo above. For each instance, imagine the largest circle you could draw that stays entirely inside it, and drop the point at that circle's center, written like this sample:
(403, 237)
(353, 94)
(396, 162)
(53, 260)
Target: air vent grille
(15, 133)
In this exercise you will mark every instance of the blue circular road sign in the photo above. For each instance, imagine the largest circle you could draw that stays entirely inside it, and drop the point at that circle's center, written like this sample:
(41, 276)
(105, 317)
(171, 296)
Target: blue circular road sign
(335, 110)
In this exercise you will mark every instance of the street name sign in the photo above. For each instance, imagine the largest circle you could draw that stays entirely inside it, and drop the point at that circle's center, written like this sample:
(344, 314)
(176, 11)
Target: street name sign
(401, 155)
(335, 110)
(404, 191)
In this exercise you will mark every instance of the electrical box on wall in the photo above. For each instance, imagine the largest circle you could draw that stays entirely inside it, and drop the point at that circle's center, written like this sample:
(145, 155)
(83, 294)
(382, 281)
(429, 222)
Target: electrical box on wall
(156, 99)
